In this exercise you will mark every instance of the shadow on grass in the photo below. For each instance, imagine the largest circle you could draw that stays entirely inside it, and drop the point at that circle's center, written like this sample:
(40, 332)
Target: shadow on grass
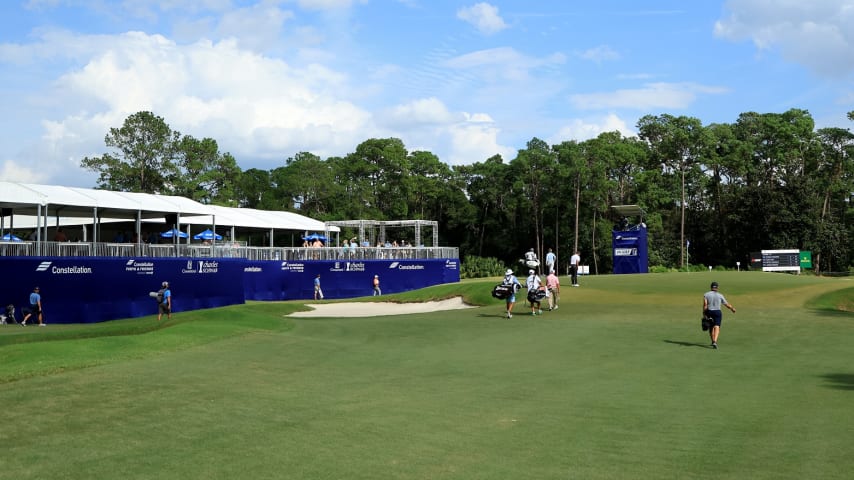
(840, 381)
(688, 344)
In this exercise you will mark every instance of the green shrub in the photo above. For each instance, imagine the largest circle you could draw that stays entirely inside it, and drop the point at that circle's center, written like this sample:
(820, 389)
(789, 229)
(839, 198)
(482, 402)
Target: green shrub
(479, 267)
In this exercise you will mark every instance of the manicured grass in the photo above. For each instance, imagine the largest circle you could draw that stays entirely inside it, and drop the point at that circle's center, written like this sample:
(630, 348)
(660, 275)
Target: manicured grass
(617, 383)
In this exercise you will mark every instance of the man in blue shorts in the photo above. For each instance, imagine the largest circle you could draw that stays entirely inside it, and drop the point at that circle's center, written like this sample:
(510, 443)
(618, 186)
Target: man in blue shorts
(513, 282)
(712, 301)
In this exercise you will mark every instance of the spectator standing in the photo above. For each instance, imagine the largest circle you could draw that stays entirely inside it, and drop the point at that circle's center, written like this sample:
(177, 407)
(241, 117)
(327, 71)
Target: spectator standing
(574, 265)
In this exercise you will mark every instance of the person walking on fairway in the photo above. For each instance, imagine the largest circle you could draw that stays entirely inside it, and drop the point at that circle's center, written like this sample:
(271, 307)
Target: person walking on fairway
(712, 301)
(35, 308)
(318, 293)
(512, 281)
(553, 286)
(377, 290)
(164, 305)
(574, 265)
(533, 283)
(551, 258)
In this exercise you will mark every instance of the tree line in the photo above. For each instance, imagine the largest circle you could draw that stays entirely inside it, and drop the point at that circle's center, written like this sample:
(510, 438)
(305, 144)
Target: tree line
(711, 193)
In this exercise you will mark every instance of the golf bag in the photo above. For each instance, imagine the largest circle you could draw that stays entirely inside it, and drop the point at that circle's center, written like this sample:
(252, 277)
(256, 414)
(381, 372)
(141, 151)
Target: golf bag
(8, 315)
(503, 291)
(537, 295)
(706, 322)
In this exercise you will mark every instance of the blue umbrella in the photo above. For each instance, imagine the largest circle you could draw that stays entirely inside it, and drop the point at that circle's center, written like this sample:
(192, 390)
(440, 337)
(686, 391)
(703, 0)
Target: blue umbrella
(207, 235)
(174, 232)
(10, 238)
(315, 236)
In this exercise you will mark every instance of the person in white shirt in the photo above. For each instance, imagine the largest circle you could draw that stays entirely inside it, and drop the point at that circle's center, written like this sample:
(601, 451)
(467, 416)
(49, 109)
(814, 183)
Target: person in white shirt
(574, 265)
(533, 283)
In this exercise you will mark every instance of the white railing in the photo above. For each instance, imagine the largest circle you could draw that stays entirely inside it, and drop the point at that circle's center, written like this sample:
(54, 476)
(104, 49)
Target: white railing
(220, 250)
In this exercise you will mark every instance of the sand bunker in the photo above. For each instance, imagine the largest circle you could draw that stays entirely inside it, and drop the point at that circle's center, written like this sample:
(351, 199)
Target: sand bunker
(372, 309)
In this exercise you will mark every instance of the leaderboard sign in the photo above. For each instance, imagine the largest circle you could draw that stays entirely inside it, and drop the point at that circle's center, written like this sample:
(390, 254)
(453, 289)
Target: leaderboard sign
(777, 260)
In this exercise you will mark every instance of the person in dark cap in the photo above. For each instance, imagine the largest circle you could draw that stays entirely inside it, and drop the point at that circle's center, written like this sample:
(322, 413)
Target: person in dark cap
(35, 308)
(164, 303)
(712, 302)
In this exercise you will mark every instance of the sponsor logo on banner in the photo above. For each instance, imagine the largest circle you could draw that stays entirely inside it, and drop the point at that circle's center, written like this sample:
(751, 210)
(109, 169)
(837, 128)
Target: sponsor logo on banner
(337, 267)
(208, 266)
(451, 264)
(627, 239)
(355, 266)
(72, 270)
(253, 269)
(399, 266)
(203, 266)
(625, 252)
(293, 267)
(140, 268)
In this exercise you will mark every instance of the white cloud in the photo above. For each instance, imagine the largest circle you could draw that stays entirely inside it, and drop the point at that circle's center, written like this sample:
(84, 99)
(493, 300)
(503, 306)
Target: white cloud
(652, 96)
(475, 141)
(585, 129)
(427, 111)
(602, 53)
(484, 17)
(258, 108)
(818, 34)
(11, 171)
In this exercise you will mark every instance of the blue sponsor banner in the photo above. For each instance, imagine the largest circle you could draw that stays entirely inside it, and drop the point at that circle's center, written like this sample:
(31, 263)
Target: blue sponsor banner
(96, 289)
(294, 279)
(629, 249)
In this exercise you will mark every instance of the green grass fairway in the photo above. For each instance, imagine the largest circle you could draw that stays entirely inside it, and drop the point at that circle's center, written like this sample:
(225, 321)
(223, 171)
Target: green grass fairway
(619, 383)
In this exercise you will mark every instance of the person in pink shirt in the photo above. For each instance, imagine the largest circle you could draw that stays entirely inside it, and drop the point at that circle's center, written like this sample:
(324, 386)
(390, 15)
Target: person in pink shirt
(553, 286)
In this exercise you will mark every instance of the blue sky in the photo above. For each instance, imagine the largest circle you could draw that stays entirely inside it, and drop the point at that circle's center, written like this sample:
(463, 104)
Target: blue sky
(463, 79)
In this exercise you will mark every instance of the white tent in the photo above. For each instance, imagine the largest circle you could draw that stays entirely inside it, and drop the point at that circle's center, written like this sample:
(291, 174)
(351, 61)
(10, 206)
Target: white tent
(31, 206)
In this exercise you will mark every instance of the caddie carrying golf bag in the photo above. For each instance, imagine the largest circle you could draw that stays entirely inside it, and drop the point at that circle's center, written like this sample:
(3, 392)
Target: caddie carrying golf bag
(502, 291)
(536, 295)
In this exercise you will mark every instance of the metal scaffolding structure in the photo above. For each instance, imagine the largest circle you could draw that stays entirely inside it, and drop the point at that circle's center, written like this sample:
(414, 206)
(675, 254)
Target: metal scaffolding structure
(375, 231)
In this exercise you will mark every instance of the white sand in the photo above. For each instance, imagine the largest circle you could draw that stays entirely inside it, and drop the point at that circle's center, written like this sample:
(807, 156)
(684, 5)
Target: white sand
(372, 309)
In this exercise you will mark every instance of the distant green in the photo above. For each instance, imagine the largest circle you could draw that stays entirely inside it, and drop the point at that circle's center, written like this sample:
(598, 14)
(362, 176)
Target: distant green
(617, 384)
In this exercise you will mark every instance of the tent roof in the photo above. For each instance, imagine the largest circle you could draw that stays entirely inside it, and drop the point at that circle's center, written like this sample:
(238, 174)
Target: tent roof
(266, 219)
(75, 206)
(82, 202)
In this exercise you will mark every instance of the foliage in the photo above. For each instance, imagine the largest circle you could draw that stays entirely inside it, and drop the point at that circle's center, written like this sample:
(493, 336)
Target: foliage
(767, 180)
(479, 267)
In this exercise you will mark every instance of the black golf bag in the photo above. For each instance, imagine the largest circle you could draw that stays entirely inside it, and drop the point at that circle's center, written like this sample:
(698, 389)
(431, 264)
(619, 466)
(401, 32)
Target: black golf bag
(502, 291)
(706, 322)
(8, 315)
(537, 295)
